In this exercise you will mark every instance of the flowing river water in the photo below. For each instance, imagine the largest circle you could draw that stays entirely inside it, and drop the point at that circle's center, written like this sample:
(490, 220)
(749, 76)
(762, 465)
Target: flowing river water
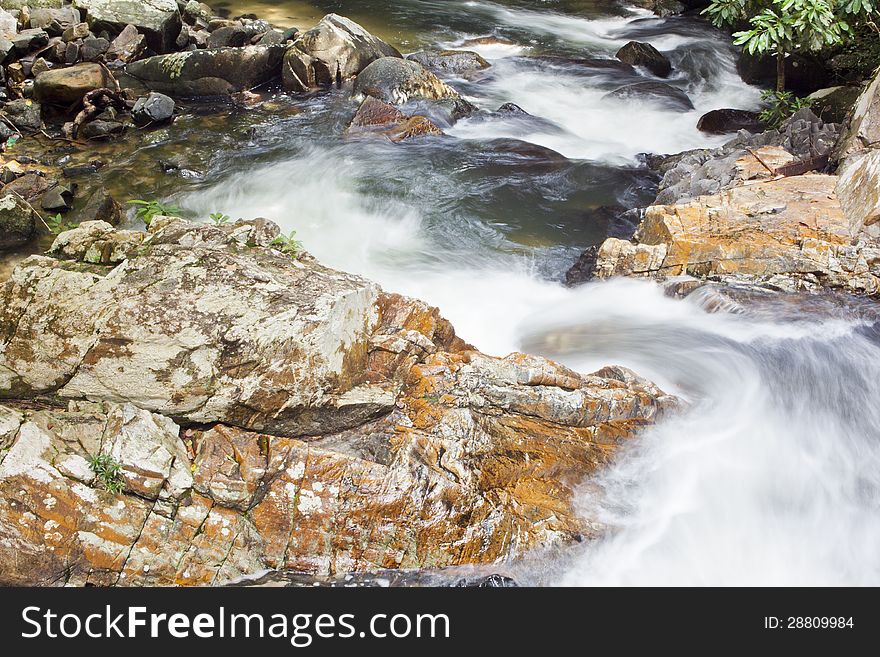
(772, 474)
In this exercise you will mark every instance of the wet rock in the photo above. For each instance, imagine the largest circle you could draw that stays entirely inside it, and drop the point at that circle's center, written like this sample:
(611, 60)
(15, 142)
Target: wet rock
(30, 187)
(18, 221)
(450, 61)
(647, 56)
(336, 49)
(57, 199)
(272, 37)
(153, 109)
(101, 207)
(65, 86)
(397, 81)
(24, 114)
(232, 36)
(209, 72)
(102, 129)
(511, 109)
(788, 233)
(158, 20)
(656, 92)
(375, 117)
(129, 46)
(584, 268)
(721, 121)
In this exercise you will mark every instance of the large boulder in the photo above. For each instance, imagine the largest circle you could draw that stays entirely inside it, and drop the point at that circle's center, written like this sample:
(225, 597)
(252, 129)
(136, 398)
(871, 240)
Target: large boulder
(18, 221)
(789, 233)
(454, 62)
(654, 92)
(647, 56)
(397, 81)
(722, 121)
(158, 20)
(65, 86)
(334, 50)
(333, 427)
(214, 72)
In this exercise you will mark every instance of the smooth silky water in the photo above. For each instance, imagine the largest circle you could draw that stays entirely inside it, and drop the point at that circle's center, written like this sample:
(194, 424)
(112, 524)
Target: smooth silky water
(771, 475)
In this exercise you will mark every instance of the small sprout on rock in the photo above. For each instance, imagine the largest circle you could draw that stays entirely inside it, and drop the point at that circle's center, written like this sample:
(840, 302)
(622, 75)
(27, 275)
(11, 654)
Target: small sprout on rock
(108, 472)
(288, 244)
(58, 225)
(219, 218)
(146, 210)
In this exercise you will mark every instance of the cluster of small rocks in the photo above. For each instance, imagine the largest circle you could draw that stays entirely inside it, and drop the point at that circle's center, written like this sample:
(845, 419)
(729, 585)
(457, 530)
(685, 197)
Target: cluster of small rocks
(707, 171)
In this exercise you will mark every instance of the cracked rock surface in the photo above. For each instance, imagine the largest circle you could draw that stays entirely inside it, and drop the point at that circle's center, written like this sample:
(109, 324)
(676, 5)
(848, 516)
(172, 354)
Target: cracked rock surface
(267, 412)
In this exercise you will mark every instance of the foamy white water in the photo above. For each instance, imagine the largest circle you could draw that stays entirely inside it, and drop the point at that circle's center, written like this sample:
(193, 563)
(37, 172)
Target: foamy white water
(771, 476)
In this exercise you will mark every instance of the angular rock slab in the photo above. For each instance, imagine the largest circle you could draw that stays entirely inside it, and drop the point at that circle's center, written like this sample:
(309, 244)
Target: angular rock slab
(200, 322)
(478, 464)
(158, 20)
(789, 233)
(336, 49)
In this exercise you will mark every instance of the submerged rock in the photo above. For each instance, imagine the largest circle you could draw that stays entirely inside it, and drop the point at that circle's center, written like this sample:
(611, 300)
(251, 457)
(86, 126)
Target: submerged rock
(397, 81)
(450, 61)
(335, 50)
(647, 56)
(153, 109)
(375, 117)
(216, 72)
(24, 114)
(338, 429)
(656, 92)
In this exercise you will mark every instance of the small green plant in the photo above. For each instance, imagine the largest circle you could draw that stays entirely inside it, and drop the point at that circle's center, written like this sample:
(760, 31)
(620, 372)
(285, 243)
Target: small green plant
(108, 472)
(219, 218)
(288, 244)
(58, 225)
(780, 106)
(146, 210)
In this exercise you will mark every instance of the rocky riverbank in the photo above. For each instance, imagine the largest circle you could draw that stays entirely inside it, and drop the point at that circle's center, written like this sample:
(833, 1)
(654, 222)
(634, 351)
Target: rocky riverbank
(265, 412)
(791, 209)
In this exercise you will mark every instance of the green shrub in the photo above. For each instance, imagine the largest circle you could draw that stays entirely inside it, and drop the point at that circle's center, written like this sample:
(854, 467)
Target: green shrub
(780, 106)
(108, 472)
(146, 210)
